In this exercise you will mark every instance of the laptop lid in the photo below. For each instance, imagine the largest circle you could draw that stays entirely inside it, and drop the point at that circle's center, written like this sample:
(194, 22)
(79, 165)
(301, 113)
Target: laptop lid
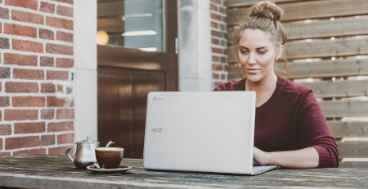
(200, 131)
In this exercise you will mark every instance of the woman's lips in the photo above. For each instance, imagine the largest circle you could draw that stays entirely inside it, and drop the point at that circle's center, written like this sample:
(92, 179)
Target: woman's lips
(252, 71)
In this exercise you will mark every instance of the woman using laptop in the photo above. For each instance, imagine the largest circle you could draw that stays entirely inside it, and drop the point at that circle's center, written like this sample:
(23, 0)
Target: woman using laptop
(290, 128)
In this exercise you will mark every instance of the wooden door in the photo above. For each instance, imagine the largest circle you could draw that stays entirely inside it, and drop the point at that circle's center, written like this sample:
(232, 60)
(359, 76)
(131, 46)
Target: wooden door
(125, 76)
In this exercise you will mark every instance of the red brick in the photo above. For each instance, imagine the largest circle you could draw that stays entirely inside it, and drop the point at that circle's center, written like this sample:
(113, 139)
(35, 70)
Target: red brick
(216, 16)
(47, 7)
(59, 49)
(59, 23)
(215, 58)
(223, 26)
(223, 60)
(215, 41)
(65, 11)
(216, 1)
(225, 68)
(65, 1)
(217, 50)
(59, 102)
(62, 36)
(222, 10)
(216, 33)
(214, 25)
(28, 74)
(47, 114)
(4, 13)
(47, 88)
(223, 77)
(57, 75)
(65, 114)
(5, 129)
(215, 76)
(64, 63)
(223, 43)
(3, 154)
(59, 88)
(10, 115)
(4, 101)
(4, 73)
(22, 45)
(4, 43)
(21, 87)
(14, 29)
(46, 34)
(47, 61)
(59, 150)
(21, 142)
(32, 151)
(47, 140)
(21, 128)
(65, 138)
(27, 17)
(28, 101)
(0, 86)
(224, 19)
(1, 114)
(1, 28)
(224, 3)
(213, 7)
(1, 145)
(20, 60)
(216, 67)
(29, 4)
(60, 126)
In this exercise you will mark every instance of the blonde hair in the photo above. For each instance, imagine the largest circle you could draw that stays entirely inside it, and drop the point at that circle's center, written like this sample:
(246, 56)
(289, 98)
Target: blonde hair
(264, 16)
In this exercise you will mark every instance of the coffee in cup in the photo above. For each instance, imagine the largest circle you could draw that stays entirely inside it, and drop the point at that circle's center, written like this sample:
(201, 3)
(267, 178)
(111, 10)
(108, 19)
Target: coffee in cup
(109, 157)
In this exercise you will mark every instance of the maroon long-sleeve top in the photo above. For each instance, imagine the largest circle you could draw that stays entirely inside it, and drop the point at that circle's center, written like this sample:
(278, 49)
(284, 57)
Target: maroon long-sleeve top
(290, 120)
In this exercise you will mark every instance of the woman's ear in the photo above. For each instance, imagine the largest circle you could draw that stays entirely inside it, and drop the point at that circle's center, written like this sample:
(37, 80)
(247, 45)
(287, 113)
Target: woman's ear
(280, 50)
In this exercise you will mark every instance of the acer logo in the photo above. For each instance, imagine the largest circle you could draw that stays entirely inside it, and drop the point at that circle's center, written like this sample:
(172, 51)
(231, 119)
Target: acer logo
(156, 130)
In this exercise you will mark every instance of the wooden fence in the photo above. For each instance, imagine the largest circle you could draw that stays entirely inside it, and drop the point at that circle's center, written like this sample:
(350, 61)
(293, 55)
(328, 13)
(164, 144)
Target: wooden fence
(326, 50)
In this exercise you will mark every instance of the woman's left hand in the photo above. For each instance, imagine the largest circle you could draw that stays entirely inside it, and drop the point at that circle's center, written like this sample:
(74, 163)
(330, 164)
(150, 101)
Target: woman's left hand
(260, 157)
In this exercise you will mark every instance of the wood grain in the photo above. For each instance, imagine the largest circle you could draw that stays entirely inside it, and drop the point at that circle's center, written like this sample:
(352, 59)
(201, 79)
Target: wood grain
(320, 29)
(340, 129)
(345, 88)
(244, 3)
(353, 149)
(308, 10)
(347, 108)
(321, 48)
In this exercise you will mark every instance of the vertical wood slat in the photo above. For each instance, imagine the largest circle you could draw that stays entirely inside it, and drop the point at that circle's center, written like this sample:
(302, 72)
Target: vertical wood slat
(309, 9)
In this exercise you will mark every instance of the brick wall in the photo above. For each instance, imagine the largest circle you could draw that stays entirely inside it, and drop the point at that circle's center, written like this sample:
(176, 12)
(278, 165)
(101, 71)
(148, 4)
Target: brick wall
(36, 76)
(219, 42)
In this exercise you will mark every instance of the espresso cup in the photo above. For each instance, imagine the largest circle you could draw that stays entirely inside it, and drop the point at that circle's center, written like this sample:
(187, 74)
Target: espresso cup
(109, 157)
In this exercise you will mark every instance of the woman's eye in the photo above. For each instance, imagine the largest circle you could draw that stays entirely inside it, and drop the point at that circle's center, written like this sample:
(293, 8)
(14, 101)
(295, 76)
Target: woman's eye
(243, 52)
(262, 52)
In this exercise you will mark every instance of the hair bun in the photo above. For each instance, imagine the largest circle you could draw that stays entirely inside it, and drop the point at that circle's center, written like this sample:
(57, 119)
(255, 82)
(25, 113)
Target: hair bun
(266, 9)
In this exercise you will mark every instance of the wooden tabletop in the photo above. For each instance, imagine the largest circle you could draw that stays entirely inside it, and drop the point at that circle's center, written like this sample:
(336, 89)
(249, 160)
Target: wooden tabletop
(43, 171)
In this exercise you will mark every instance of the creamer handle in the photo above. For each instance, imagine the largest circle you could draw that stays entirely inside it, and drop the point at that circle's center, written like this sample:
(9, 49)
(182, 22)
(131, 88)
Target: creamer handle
(68, 155)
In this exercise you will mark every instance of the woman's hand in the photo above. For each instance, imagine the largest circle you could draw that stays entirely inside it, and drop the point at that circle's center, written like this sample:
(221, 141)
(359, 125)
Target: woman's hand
(260, 157)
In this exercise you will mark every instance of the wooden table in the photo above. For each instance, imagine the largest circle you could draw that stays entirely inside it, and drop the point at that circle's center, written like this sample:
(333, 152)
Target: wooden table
(42, 171)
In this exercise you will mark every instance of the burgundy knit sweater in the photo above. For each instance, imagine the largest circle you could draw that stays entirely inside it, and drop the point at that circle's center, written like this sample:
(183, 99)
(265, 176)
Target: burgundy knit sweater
(290, 120)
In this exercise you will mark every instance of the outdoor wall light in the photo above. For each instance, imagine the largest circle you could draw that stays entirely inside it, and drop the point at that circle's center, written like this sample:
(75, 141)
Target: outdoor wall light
(102, 38)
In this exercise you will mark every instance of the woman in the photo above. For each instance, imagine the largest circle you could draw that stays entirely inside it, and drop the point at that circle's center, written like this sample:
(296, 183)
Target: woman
(290, 128)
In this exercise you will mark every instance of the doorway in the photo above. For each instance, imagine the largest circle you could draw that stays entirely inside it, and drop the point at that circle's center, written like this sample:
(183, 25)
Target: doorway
(139, 56)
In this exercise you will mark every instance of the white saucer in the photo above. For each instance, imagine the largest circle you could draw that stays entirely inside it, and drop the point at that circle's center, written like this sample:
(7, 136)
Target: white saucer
(120, 169)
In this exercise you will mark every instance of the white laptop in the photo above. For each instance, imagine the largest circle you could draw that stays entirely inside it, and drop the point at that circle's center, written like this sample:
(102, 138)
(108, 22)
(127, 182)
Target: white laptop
(201, 132)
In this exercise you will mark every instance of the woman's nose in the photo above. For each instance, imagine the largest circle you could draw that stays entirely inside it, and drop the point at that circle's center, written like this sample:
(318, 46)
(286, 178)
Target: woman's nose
(252, 59)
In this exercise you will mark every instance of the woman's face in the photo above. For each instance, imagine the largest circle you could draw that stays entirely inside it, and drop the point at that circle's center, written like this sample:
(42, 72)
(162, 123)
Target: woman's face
(257, 54)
